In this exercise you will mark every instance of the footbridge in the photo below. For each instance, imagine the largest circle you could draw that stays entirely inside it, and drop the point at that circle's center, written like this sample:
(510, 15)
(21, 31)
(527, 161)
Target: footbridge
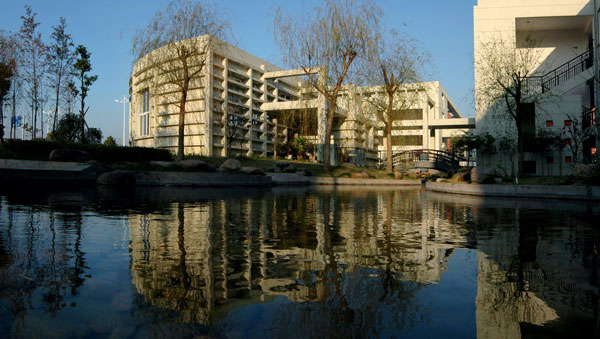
(427, 159)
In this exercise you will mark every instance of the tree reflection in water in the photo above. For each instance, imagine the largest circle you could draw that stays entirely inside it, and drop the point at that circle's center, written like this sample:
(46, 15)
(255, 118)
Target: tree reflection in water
(324, 262)
(41, 259)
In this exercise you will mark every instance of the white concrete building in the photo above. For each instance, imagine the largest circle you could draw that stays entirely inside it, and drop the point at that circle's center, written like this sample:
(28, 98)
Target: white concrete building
(241, 104)
(562, 32)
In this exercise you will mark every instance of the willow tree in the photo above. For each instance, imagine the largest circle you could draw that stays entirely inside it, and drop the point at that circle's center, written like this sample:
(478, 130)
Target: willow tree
(330, 37)
(169, 43)
(395, 65)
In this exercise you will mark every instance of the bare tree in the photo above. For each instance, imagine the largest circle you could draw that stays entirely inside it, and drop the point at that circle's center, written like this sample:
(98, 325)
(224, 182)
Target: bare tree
(332, 36)
(8, 65)
(34, 59)
(395, 62)
(171, 43)
(574, 136)
(234, 122)
(507, 86)
(61, 60)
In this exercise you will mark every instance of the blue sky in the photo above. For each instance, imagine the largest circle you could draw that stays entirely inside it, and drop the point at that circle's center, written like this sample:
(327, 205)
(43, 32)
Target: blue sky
(444, 29)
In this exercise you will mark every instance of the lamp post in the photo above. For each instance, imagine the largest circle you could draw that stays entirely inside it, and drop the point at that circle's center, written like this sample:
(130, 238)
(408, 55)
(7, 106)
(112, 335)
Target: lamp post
(124, 102)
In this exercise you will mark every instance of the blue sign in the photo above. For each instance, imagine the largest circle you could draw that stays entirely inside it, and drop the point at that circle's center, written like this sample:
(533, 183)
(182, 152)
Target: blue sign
(17, 121)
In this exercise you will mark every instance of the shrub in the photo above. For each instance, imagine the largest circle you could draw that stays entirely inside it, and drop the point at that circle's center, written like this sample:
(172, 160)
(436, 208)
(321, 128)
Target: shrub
(40, 150)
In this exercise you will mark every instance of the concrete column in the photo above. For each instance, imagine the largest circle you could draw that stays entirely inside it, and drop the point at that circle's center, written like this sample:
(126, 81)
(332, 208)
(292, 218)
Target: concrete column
(251, 113)
(225, 105)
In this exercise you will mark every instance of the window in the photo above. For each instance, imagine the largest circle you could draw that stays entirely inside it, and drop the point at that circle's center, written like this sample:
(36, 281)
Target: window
(568, 123)
(568, 141)
(568, 159)
(145, 113)
(549, 123)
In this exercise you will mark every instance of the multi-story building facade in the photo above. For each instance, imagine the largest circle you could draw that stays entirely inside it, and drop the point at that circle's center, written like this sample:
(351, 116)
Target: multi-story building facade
(556, 36)
(241, 104)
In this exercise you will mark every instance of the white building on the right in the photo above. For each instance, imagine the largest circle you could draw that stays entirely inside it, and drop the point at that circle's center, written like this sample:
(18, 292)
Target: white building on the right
(559, 36)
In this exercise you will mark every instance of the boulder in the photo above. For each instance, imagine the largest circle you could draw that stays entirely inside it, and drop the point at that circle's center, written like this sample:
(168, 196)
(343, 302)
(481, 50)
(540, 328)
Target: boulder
(252, 170)
(440, 180)
(361, 175)
(481, 174)
(582, 171)
(161, 163)
(281, 167)
(65, 154)
(117, 178)
(398, 175)
(231, 164)
(461, 177)
(303, 171)
(196, 165)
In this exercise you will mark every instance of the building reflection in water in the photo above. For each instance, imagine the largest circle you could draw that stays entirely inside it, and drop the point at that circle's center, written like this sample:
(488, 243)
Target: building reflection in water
(303, 263)
(355, 260)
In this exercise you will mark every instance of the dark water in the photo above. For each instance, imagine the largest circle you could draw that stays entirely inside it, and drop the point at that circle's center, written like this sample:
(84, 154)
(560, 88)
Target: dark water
(294, 264)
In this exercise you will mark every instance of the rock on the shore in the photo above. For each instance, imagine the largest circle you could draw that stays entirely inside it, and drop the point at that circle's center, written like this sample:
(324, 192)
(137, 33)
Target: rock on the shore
(284, 167)
(161, 163)
(582, 171)
(303, 171)
(196, 165)
(398, 175)
(252, 170)
(231, 164)
(461, 177)
(361, 175)
(65, 154)
(481, 174)
(117, 178)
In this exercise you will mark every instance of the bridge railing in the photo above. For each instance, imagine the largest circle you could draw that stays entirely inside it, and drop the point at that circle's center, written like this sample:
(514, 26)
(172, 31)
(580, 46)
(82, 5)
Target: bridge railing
(436, 156)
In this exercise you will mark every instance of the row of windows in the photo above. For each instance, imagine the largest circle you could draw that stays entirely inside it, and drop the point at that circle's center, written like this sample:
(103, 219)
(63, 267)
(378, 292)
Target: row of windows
(550, 123)
(568, 159)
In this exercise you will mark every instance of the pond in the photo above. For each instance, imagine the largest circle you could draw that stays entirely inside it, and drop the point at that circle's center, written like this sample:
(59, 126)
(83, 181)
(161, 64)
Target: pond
(294, 262)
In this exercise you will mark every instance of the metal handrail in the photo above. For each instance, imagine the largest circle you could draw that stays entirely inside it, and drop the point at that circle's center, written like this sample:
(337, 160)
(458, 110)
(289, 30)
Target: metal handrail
(436, 156)
(560, 74)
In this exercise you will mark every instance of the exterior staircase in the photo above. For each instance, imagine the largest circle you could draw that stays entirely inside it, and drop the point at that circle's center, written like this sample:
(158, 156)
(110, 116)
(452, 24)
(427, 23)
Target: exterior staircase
(560, 75)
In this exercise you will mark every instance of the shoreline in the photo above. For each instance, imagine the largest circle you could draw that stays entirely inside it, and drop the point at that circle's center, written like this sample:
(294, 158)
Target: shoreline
(563, 192)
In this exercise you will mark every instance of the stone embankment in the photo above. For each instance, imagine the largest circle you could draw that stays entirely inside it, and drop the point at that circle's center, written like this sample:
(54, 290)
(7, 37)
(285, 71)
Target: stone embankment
(230, 174)
(574, 192)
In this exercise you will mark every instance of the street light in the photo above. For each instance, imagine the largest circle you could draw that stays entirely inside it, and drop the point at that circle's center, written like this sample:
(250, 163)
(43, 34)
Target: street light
(124, 102)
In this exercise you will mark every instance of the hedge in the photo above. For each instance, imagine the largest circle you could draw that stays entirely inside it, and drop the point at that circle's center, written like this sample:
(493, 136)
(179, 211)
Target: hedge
(40, 150)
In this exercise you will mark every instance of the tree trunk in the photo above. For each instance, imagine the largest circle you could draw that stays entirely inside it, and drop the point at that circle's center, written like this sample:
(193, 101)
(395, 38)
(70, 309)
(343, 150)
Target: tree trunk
(82, 112)
(388, 131)
(180, 145)
(520, 151)
(388, 134)
(1, 121)
(56, 107)
(327, 150)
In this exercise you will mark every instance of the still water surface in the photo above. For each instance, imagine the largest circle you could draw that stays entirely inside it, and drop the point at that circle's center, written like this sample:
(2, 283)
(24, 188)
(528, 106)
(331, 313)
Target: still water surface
(294, 263)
